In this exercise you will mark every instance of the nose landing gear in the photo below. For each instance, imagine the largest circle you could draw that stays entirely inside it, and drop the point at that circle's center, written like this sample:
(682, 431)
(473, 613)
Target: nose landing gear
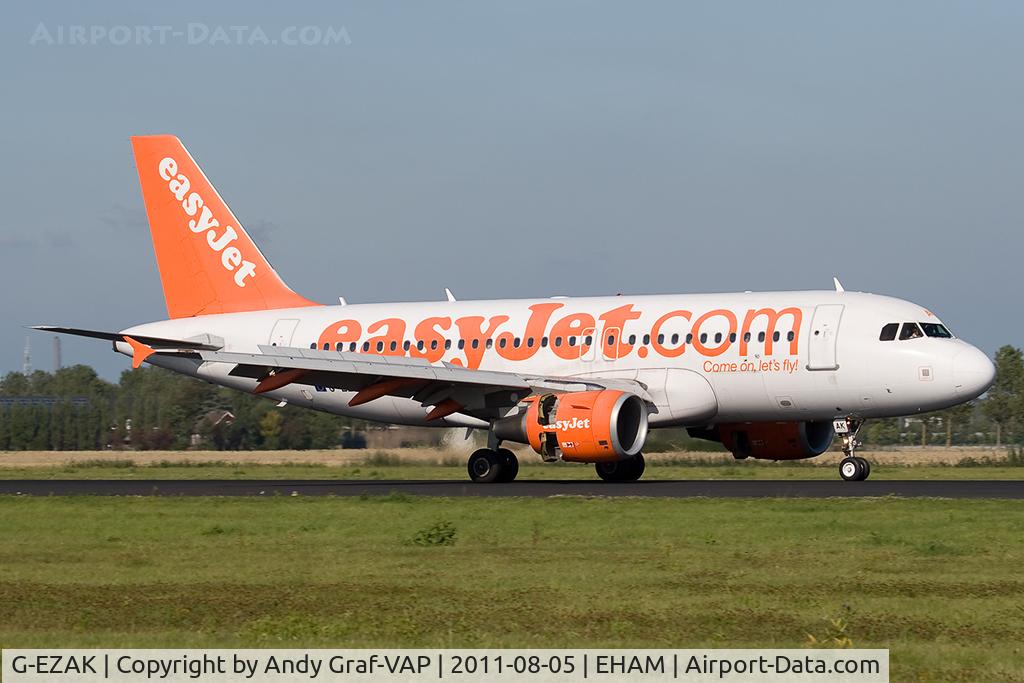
(852, 467)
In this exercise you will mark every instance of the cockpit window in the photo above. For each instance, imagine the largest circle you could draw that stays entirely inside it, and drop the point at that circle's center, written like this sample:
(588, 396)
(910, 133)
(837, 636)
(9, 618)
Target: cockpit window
(889, 332)
(910, 331)
(936, 330)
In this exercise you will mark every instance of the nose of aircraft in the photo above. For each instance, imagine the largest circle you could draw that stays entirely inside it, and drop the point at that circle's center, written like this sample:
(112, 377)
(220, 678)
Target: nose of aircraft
(973, 373)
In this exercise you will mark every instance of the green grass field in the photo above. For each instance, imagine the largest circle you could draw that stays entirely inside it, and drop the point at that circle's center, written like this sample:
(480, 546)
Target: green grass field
(937, 581)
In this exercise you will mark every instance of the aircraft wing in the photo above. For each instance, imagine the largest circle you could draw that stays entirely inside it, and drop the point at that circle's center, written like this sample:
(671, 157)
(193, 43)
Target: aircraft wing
(447, 388)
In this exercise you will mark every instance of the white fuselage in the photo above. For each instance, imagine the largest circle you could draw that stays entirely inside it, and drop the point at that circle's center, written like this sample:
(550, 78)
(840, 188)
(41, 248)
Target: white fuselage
(769, 356)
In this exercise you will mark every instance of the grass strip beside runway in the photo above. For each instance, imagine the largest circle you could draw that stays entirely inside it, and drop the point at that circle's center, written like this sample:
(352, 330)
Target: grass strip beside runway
(936, 581)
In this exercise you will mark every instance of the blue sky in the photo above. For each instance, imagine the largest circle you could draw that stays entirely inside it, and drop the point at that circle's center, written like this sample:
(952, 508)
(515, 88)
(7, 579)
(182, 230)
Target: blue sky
(526, 149)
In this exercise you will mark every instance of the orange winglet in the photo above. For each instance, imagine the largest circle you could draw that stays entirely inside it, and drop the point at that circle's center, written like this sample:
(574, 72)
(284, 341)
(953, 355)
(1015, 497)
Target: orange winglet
(382, 388)
(444, 409)
(140, 352)
(279, 379)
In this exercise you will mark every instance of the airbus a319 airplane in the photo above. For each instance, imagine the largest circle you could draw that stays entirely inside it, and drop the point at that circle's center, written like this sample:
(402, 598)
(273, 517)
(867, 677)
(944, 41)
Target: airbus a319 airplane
(771, 375)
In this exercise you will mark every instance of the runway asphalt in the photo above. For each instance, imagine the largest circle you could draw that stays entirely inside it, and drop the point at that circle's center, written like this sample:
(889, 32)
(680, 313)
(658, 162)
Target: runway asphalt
(526, 488)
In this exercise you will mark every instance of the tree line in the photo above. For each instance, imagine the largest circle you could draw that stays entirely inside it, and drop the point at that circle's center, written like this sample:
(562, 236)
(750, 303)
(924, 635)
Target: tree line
(154, 409)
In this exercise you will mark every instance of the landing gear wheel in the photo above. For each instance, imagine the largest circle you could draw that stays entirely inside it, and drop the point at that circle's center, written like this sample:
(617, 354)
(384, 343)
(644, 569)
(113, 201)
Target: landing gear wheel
(854, 469)
(509, 465)
(630, 469)
(485, 466)
(867, 467)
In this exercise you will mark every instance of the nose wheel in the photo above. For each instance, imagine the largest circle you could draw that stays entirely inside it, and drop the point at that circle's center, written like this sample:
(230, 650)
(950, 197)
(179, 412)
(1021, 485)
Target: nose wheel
(852, 467)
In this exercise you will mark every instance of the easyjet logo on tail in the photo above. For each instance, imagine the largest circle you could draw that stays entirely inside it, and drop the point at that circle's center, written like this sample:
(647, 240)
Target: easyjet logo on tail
(231, 257)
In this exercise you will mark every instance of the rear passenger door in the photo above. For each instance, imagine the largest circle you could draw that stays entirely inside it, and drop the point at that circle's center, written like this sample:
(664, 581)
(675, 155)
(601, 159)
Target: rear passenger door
(283, 332)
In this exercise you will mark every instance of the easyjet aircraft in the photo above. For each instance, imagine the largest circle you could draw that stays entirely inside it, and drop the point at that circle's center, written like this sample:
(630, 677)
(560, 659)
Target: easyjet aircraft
(773, 375)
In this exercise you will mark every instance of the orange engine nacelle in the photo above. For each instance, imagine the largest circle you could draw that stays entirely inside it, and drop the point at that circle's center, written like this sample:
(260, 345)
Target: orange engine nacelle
(582, 426)
(774, 440)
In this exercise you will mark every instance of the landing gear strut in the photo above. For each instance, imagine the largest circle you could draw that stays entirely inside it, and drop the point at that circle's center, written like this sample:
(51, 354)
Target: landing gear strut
(488, 466)
(852, 467)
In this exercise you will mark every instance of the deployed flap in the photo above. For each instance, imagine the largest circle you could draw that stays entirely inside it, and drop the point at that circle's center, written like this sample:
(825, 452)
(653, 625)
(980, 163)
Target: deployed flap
(483, 393)
(473, 392)
(358, 364)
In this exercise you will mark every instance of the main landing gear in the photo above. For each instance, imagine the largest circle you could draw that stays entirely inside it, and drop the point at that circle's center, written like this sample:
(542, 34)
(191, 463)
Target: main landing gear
(487, 466)
(500, 465)
(852, 467)
(629, 469)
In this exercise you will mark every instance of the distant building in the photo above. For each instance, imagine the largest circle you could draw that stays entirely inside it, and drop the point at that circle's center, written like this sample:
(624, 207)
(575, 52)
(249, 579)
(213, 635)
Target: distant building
(207, 422)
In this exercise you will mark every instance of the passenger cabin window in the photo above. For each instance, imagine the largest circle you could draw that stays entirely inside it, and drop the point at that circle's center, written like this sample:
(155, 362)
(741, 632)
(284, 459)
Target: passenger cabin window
(936, 330)
(889, 332)
(910, 331)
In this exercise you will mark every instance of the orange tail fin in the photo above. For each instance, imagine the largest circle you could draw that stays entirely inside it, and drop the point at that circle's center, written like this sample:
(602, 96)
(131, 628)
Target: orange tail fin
(208, 264)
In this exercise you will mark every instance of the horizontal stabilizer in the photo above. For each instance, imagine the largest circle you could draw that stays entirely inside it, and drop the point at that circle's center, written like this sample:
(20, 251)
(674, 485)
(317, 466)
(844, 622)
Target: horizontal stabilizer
(208, 343)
